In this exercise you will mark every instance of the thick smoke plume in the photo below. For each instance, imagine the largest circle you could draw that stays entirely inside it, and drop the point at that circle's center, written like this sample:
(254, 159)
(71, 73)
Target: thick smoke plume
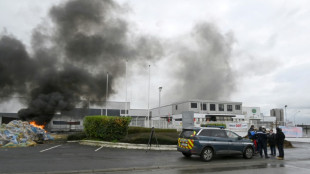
(204, 70)
(70, 56)
(70, 60)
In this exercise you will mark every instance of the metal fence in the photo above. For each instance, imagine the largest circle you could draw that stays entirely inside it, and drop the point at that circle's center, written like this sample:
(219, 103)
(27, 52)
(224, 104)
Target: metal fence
(160, 124)
(164, 124)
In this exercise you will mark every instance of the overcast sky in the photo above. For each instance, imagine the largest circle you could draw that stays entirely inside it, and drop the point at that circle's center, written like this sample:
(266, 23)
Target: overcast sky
(269, 54)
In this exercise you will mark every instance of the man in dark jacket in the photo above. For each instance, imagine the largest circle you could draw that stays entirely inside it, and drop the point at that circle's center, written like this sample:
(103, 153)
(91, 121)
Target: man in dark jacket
(262, 142)
(272, 142)
(280, 141)
(250, 132)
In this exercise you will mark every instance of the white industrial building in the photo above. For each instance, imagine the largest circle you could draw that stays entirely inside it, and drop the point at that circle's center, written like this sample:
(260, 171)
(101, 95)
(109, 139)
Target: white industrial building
(204, 110)
(168, 116)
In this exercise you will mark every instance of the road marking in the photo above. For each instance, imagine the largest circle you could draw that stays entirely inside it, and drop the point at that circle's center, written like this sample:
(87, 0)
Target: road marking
(99, 148)
(50, 148)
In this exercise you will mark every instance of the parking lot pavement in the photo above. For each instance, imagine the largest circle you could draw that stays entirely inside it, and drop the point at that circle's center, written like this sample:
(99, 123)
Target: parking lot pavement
(73, 157)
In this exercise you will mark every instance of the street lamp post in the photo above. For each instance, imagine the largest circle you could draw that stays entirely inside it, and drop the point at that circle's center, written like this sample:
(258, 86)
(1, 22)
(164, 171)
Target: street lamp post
(160, 88)
(285, 117)
(126, 89)
(148, 98)
(106, 96)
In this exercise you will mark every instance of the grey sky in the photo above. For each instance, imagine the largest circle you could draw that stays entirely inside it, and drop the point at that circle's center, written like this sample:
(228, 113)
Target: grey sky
(269, 53)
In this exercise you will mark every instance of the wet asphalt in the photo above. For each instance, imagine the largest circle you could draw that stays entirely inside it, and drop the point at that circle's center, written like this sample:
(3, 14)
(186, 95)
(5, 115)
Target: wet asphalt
(76, 158)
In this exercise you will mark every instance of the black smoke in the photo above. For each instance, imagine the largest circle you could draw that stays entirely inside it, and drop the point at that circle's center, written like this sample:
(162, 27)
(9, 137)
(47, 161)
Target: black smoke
(81, 41)
(69, 58)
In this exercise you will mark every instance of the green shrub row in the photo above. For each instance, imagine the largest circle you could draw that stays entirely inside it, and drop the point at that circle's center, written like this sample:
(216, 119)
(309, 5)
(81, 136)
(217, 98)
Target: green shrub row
(134, 130)
(214, 125)
(106, 127)
(168, 138)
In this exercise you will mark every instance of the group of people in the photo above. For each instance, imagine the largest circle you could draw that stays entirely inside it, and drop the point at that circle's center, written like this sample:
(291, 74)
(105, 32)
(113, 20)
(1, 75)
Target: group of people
(260, 138)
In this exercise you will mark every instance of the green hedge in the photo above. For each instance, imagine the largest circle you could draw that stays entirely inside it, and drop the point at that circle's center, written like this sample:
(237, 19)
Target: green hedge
(169, 138)
(134, 130)
(214, 125)
(106, 127)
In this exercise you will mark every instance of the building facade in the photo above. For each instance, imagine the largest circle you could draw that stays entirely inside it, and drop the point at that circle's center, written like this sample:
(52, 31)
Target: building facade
(279, 114)
(208, 110)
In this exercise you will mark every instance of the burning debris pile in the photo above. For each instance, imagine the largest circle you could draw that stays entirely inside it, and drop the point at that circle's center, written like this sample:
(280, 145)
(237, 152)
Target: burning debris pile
(21, 134)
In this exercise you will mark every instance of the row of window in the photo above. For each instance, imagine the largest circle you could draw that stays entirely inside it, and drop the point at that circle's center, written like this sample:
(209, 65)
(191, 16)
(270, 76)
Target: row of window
(66, 123)
(210, 133)
(221, 107)
(210, 118)
(218, 133)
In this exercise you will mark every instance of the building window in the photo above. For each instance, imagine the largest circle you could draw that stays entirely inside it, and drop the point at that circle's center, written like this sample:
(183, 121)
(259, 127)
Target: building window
(221, 107)
(212, 107)
(66, 123)
(176, 107)
(237, 107)
(229, 107)
(193, 105)
(123, 111)
(203, 106)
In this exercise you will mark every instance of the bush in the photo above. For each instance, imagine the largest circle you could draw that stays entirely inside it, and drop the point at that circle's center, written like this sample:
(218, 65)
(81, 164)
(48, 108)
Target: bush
(134, 130)
(106, 127)
(214, 125)
(169, 138)
(77, 136)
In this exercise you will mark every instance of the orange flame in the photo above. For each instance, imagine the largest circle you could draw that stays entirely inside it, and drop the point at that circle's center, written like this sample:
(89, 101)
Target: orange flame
(33, 123)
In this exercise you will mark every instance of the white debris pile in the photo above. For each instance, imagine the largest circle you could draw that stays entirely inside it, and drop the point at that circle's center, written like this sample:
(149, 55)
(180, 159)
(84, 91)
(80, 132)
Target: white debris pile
(21, 134)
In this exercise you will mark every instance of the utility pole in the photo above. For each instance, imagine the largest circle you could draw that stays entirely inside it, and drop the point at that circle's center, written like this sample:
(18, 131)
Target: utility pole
(126, 89)
(160, 88)
(148, 98)
(106, 96)
(285, 117)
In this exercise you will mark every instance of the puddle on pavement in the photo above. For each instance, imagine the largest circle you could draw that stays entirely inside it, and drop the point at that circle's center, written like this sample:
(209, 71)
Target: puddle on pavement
(204, 170)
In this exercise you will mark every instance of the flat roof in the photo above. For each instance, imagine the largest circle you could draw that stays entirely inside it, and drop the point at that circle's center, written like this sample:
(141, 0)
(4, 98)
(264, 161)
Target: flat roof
(206, 101)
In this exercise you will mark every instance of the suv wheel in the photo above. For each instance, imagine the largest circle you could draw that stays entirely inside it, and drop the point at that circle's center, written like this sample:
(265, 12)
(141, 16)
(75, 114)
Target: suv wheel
(207, 154)
(187, 154)
(248, 153)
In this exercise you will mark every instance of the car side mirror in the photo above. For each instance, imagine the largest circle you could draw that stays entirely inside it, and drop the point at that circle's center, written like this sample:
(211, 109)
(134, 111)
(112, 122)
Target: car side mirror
(239, 138)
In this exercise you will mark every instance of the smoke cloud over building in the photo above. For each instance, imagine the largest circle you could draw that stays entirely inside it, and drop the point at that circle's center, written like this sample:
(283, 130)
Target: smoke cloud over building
(70, 56)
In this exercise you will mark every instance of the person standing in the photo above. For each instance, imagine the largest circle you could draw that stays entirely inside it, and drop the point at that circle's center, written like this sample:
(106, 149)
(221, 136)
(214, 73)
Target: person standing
(252, 136)
(280, 141)
(272, 142)
(250, 132)
(262, 142)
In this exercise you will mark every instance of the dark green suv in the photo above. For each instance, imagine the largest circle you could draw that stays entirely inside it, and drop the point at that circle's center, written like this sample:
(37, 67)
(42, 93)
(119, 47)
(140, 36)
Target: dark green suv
(208, 142)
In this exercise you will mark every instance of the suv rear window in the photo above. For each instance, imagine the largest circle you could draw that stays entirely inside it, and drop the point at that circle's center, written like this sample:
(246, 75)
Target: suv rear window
(188, 133)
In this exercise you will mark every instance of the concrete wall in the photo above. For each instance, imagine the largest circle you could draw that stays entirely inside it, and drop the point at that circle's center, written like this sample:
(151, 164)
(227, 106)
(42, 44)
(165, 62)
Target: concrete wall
(138, 112)
(164, 111)
(179, 108)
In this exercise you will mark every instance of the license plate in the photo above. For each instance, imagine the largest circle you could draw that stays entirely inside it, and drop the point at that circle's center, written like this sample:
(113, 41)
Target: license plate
(184, 144)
